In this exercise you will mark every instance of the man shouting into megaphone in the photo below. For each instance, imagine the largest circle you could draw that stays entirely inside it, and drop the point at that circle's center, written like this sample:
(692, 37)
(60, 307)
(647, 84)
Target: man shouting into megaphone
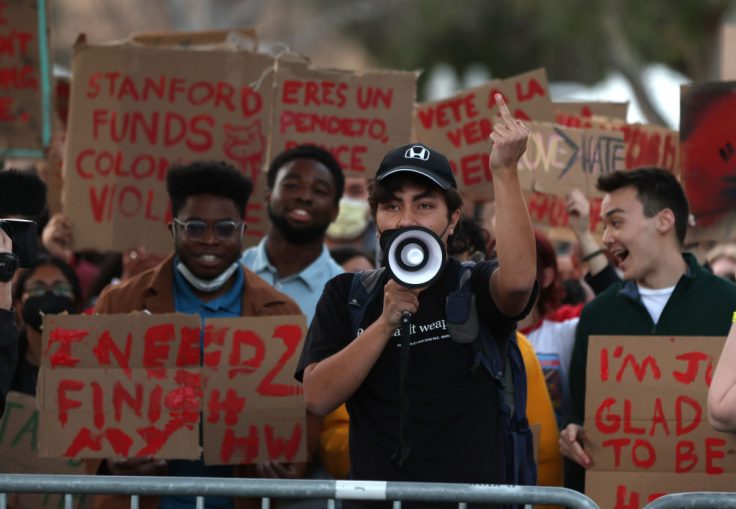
(428, 418)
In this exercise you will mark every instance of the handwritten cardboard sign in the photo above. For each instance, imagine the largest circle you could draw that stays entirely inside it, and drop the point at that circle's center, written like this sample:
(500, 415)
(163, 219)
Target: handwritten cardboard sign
(559, 159)
(551, 211)
(358, 117)
(645, 413)
(19, 428)
(199, 39)
(120, 386)
(574, 113)
(646, 145)
(25, 78)
(254, 407)
(134, 111)
(708, 140)
(459, 126)
(133, 386)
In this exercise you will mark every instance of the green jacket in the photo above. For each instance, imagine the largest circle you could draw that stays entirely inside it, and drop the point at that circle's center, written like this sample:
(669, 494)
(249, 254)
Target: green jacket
(701, 305)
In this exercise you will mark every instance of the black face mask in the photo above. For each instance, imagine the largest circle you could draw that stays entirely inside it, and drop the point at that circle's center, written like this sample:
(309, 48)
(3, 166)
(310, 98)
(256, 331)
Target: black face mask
(49, 303)
(385, 238)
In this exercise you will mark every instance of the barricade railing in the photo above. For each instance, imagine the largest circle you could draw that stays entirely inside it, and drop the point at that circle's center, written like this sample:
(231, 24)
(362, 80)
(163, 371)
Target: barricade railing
(697, 500)
(267, 489)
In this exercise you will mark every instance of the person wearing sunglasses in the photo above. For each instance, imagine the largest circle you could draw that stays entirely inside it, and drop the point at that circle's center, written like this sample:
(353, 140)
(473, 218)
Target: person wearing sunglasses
(51, 287)
(203, 276)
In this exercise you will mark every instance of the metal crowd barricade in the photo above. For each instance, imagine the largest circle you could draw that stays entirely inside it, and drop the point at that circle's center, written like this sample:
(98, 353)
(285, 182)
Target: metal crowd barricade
(267, 489)
(698, 500)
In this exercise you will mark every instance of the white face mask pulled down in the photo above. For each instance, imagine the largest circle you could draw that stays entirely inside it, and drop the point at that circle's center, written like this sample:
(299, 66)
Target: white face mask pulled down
(207, 285)
(351, 221)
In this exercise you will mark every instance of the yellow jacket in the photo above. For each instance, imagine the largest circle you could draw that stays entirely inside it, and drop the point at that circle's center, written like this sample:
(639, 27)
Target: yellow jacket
(334, 451)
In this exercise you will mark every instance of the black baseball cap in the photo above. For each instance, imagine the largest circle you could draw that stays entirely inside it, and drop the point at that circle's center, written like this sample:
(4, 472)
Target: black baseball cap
(418, 158)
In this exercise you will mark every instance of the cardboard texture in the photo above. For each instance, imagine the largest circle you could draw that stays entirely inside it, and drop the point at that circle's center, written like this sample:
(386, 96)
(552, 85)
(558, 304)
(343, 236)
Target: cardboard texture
(133, 385)
(254, 407)
(120, 386)
(551, 211)
(358, 117)
(646, 416)
(204, 39)
(708, 141)
(19, 428)
(134, 111)
(459, 126)
(646, 145)
(26, 93)
(559, 159)
(571, 113)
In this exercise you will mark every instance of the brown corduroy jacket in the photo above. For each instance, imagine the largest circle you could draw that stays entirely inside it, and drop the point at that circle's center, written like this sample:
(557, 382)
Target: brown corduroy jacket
(153, 291)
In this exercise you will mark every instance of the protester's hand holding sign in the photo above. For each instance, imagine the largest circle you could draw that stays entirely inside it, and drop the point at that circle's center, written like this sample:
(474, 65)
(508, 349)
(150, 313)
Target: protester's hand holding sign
(57, 237)
(574, 443)
(136, 466)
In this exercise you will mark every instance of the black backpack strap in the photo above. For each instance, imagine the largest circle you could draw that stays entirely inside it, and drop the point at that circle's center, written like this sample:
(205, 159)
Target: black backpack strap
(363, 288)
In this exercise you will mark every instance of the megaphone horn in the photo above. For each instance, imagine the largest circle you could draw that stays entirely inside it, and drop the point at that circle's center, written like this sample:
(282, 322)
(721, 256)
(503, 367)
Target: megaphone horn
(415, 256)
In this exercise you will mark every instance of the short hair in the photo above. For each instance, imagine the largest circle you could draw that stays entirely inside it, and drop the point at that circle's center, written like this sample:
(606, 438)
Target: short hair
(341, 254)
(657, 189)
(22, 193)
(207, 177)
(25, 274)
(469, 237)
(308, 152)
(381, 191)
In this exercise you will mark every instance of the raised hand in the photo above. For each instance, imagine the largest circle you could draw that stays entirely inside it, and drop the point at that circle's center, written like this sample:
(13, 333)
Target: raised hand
(509, 140)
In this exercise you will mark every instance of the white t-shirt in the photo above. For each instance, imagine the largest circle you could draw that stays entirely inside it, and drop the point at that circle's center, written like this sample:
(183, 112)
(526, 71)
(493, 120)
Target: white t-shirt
(655, 300)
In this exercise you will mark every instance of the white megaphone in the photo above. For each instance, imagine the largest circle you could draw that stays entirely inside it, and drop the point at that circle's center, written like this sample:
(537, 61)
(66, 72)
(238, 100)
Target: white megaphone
(415, 256)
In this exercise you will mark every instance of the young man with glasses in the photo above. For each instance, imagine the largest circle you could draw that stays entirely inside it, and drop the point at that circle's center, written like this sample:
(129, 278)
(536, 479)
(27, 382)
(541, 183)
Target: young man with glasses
(202, 277)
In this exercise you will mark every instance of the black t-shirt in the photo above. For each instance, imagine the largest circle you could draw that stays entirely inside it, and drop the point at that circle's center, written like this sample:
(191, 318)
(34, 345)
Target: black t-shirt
(455, 433)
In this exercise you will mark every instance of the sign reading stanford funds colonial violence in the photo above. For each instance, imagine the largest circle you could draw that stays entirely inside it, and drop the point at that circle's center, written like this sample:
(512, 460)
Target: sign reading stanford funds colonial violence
(358, 117)
(459, 127)
(136, 385)
(25, 78)
(134, 111)
(646, 416)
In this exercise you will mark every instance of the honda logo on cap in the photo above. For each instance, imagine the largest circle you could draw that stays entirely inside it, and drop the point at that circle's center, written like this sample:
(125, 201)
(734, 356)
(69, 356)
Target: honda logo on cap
(417, 152)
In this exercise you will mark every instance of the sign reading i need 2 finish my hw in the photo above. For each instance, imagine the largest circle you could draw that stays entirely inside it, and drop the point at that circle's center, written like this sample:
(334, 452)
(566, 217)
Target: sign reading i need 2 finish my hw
(135, 386)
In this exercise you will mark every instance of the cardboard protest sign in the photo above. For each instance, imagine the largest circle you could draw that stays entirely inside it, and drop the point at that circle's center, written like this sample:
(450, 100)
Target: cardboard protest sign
(459, 126)
(559, 159)
(120, 386)
(254, 409)
(646, 145)
(201, 38)
(358, 117)
(573, 113)
(134, 111)
(25, 78)
(551, 211)
(645, 414)
(19, 428)
(708, 140)
(133, 386)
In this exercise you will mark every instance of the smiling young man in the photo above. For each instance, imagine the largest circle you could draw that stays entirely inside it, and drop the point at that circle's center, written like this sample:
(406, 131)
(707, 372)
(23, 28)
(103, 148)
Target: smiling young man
(305, 185)
(202, 277)
(453, 417)
(664, 292)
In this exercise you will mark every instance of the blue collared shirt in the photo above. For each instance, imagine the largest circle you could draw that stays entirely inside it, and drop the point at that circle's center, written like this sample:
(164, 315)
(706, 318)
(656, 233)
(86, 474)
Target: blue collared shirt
(229, 304)
(305, 287)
